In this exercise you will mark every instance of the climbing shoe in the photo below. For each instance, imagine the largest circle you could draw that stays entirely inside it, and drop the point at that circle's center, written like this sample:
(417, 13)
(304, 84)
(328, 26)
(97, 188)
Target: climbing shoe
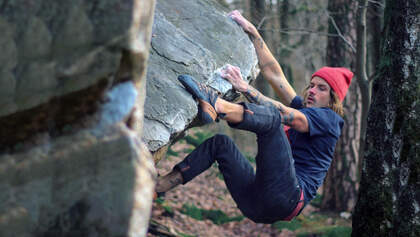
(206, 98)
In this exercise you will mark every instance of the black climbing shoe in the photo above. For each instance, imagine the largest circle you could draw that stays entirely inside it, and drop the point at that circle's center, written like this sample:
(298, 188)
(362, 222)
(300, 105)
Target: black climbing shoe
(206, 98)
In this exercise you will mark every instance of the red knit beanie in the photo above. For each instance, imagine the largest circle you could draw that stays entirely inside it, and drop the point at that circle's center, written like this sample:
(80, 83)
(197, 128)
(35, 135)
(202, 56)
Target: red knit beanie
(338, 78)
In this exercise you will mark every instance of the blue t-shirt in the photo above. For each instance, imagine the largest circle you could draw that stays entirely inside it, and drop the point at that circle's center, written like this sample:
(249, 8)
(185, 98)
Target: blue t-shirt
(313, 151)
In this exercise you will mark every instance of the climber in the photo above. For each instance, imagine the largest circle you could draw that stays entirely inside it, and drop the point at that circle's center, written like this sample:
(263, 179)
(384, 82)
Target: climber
(290, 165)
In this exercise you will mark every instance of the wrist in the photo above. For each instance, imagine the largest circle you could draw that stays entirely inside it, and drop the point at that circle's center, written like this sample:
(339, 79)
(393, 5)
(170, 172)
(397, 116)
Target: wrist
(244, 87)
(254, 32)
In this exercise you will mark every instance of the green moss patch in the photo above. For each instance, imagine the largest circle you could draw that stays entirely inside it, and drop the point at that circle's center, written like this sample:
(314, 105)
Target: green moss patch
(317, 224)
(218, 217)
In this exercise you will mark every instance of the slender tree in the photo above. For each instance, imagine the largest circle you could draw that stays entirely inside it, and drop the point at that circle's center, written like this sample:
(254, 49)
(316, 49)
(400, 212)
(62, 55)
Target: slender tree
(340, 186)
(363, 81)
(258, 18)
(388, 202)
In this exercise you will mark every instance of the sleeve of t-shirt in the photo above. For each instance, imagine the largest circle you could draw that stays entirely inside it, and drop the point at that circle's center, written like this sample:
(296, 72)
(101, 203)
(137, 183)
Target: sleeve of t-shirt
(297, 103)
(322, 121)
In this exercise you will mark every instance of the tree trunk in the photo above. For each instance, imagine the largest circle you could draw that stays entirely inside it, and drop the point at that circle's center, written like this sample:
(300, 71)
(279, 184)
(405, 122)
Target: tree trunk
(340, 186)
(388, 203)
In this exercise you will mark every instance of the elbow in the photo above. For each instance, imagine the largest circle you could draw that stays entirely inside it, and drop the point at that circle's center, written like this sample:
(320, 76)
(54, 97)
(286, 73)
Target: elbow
(300, 124)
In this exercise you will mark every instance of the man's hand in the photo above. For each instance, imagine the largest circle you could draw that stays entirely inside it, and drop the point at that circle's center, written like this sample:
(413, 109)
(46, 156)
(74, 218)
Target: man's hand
(244, 23)
(233, 75)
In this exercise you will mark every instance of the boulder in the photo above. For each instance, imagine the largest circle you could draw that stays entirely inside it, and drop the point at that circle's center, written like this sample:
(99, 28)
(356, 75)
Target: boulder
(196, 38)
(72, 89)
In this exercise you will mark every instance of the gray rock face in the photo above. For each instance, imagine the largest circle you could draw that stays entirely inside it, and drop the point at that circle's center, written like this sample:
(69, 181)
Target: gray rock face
(72, 82)
(196, 38)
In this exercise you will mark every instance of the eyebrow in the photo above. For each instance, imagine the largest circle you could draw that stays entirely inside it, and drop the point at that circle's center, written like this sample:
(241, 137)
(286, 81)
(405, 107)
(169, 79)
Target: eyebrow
(319, 84)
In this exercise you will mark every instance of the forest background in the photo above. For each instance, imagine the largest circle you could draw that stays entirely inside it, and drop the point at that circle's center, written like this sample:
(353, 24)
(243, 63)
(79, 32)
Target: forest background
(303, 36)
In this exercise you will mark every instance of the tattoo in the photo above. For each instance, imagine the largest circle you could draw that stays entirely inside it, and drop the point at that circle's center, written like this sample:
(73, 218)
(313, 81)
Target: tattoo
(256, 97)
(259, 39)
(288, 119)
(280, 109)
(261, 42)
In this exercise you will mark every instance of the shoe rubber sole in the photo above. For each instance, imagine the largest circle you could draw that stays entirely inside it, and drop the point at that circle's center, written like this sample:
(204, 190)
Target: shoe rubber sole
(206, 111)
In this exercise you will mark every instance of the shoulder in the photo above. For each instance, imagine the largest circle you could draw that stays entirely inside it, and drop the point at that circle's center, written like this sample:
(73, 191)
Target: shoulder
(297, 102)
(323, 120)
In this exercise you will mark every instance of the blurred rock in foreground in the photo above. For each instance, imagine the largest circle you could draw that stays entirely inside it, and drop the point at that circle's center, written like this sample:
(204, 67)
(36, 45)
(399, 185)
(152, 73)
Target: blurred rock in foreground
(72, 89)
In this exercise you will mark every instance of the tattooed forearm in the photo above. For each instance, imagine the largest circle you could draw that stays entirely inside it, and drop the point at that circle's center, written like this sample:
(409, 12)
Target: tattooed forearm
(256, 97)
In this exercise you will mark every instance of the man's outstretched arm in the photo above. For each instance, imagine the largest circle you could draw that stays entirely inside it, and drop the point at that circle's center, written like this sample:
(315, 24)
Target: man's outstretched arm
(270, 68)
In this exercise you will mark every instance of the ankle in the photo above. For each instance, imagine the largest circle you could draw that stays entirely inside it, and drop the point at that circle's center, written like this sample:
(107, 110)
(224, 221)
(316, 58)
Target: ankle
(222, 106)
(218, 106)
(231, 112)
(169, 181)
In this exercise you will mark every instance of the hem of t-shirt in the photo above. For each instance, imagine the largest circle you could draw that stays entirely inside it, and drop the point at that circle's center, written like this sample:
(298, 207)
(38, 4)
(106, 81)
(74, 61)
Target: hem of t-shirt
(303, 187)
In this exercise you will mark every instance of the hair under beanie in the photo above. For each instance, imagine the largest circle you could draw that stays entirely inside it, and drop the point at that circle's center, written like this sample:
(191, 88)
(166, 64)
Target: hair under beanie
(338, 78)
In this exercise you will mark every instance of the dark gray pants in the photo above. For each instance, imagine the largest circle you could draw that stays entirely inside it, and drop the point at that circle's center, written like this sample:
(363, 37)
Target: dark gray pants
(267, 195)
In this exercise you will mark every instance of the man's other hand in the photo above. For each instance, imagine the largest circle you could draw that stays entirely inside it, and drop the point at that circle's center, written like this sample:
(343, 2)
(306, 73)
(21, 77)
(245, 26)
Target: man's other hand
(234, 76)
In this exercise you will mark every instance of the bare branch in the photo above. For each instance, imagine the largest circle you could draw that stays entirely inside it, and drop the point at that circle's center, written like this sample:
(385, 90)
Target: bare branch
(265, 18)
(299, 30)
(261, 22)
(292, 31)
(377, 3)
(339, 33)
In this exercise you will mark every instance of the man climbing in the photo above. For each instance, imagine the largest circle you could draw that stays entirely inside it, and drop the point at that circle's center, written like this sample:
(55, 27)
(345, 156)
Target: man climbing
(289, 168)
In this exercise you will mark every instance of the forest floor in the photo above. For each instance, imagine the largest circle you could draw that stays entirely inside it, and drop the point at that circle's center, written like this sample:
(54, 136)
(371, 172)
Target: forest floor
(204, 207)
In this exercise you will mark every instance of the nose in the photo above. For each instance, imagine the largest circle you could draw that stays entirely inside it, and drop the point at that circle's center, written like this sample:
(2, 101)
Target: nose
(312, 90)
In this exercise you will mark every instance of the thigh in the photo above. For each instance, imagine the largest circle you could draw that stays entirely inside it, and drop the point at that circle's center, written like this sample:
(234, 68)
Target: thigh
(275, 175)
(238, 174)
